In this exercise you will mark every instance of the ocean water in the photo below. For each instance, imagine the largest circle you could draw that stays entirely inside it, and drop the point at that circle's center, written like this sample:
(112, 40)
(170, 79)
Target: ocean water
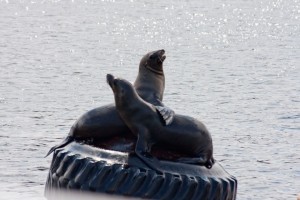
(235, 65)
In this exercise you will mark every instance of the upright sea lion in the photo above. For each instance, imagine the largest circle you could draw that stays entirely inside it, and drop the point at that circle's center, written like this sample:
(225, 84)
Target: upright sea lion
(105, 121)
(152, 125)
(150, 81)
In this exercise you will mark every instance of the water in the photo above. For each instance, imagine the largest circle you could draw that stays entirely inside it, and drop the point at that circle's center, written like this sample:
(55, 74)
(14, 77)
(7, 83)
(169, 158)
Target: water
(235, 65)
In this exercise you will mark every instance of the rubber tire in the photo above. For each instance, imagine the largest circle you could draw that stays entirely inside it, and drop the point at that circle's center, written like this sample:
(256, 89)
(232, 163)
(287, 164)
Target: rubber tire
(86, 168)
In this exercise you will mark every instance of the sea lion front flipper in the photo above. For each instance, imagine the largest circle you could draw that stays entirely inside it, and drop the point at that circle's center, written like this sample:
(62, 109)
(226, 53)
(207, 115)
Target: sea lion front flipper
(166, 113)
(142, 150)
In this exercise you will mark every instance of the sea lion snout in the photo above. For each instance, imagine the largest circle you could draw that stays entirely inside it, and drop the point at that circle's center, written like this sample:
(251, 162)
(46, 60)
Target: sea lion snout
(110, 80)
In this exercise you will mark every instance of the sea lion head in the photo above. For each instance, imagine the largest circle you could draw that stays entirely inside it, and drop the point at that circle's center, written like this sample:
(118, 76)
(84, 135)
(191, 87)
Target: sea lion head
(123, 89)
(153, 61)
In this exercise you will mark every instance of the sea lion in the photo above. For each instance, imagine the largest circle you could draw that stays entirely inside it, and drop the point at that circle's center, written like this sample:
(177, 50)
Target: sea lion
(150, 124)
(105, 121)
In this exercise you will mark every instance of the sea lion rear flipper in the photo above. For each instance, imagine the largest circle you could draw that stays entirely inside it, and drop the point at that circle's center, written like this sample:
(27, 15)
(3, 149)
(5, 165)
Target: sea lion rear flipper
(166, 113)
(66, 141)
(197, 161)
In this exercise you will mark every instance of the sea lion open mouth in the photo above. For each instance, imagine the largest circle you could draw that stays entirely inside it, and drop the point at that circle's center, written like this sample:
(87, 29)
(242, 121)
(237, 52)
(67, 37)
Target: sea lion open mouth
(161, 56)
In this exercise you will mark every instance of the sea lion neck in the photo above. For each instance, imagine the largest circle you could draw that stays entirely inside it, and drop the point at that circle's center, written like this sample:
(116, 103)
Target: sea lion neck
(130, 100)
(156, 71)
(150, 86)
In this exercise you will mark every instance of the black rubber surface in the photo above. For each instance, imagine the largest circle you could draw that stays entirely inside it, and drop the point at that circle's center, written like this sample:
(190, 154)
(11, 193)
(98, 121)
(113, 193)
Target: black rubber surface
(83, 167)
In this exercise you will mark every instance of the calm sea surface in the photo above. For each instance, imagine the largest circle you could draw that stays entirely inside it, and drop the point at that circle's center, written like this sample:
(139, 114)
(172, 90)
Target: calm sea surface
(235, 65)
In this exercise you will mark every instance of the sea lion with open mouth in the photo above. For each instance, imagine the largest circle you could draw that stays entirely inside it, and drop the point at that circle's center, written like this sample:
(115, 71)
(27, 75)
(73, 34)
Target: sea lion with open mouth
(152, 125)
(103, 122)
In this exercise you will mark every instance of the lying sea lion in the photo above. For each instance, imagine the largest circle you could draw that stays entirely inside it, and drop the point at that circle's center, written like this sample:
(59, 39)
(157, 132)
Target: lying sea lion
(153, 125)
(105, 121)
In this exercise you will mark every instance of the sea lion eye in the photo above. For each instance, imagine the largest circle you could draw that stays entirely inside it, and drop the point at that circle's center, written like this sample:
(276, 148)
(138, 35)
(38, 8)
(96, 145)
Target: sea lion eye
(152, 56)
(115, 82)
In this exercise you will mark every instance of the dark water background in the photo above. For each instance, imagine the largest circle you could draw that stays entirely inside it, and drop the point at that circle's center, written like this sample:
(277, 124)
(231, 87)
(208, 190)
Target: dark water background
(235, 65)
